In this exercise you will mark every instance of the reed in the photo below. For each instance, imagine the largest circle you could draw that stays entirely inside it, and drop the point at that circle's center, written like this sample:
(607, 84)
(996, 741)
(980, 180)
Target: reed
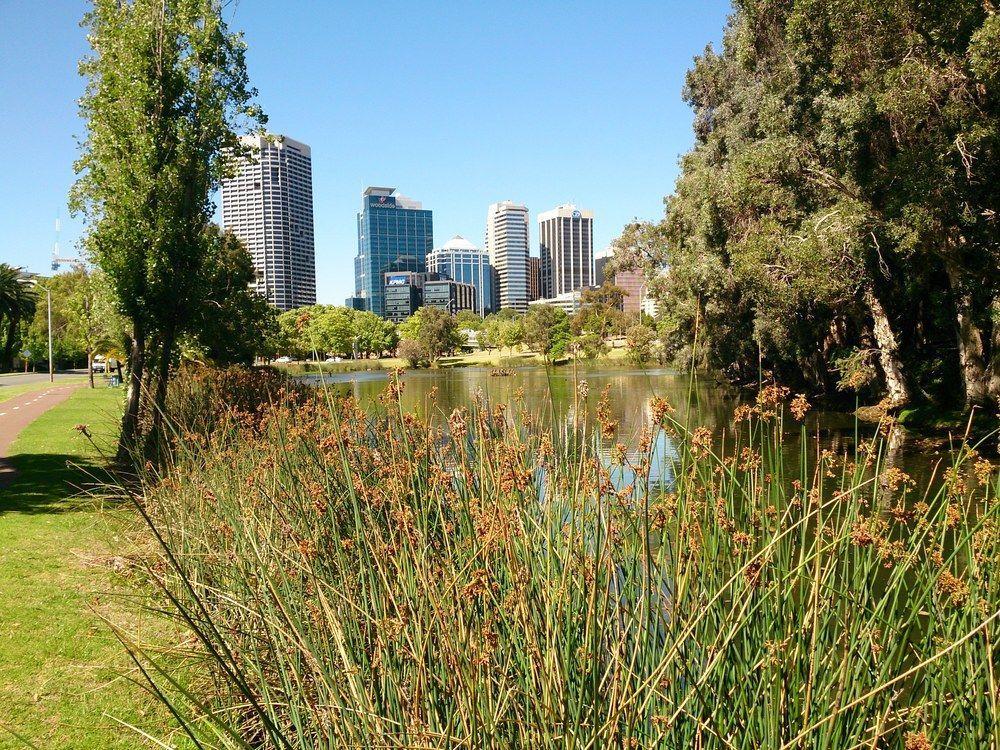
(372, 578)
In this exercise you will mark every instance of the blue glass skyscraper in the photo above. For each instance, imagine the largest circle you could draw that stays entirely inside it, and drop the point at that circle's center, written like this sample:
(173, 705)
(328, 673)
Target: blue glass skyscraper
(394, 234)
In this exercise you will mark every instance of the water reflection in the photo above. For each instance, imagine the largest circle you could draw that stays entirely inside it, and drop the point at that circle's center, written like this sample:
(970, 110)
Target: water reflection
(552, 395)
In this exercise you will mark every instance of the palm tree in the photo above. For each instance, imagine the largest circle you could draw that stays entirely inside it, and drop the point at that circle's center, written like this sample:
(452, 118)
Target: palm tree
(17, 303)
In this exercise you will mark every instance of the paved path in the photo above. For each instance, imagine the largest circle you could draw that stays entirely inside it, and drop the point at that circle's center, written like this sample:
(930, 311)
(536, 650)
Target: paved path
(18, 412)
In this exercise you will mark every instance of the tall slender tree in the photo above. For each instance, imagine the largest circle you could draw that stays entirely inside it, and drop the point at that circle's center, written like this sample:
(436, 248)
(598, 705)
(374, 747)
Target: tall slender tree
(167, 91)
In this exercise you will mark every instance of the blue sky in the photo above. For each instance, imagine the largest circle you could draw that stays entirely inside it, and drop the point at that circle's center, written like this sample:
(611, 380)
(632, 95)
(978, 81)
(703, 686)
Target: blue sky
(456, 104)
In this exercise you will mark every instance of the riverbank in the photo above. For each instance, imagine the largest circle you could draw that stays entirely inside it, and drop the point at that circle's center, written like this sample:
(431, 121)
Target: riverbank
(64, 677)
(360, 574)
(494, 358)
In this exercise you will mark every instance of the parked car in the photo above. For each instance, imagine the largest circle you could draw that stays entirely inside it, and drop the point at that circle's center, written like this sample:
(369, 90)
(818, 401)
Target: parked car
(332, 360)
(99, 364)
(283, 360)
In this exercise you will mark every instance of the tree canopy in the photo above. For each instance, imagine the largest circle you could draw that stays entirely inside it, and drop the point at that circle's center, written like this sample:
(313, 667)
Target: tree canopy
(329, 329)
(167, 92)
(17, 304)
(432, 329)
(839, 206)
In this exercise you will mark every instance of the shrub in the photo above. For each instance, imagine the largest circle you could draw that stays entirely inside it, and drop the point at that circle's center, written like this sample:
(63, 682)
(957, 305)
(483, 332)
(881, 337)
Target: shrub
(414, 353)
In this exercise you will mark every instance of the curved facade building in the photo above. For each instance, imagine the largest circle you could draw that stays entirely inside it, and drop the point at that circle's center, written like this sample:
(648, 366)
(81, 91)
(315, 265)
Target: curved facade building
(462, 261)
(268, 204)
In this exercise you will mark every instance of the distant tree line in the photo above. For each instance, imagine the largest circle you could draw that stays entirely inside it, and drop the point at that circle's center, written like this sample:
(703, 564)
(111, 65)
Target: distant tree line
(836, 222)
(321, 330)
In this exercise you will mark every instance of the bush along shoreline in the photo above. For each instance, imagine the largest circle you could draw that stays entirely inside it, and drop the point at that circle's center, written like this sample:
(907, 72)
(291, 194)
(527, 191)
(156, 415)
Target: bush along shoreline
(356, 578)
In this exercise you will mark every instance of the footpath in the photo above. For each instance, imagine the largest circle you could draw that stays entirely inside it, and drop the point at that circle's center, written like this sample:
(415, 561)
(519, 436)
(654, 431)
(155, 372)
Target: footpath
(19, 411)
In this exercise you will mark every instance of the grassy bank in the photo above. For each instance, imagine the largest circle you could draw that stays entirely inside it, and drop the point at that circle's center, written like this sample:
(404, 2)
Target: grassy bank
(60, 667)
(365, 579)
(493, 358)
(10, 391)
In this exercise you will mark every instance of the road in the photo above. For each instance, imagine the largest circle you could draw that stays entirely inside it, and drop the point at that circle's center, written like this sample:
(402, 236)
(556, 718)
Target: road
(18, 412)
(22, 378)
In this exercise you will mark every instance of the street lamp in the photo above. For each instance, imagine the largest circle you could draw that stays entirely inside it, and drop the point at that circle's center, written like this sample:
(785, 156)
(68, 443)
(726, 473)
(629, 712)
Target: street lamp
(48, 299)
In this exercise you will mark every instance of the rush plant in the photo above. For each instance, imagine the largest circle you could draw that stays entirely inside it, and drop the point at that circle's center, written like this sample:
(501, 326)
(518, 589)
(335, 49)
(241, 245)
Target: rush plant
(375, 578)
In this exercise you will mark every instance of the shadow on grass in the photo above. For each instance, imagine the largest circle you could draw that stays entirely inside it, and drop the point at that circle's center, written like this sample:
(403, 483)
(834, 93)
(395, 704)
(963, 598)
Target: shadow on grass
(50, 483)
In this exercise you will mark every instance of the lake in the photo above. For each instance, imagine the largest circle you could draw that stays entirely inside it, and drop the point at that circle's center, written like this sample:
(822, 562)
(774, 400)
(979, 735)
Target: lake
(549, 393)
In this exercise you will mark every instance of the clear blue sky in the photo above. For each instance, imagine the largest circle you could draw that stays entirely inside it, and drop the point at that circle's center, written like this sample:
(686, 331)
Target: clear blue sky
(457, 104)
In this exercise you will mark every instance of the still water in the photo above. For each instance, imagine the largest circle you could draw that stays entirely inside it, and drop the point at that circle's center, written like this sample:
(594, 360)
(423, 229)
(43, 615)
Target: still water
(551, 394)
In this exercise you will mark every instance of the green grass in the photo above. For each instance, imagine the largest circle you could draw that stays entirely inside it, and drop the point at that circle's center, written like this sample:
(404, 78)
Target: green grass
(492, 358)
(60, 666)
(10, 391)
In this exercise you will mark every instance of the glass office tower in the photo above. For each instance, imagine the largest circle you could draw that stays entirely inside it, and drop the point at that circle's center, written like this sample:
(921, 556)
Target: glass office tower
(394, 234)
(462, 261)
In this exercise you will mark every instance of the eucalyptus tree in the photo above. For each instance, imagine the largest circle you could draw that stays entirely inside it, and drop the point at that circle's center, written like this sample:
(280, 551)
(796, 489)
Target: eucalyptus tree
(167, 89)
(232, 324)
(841, 196)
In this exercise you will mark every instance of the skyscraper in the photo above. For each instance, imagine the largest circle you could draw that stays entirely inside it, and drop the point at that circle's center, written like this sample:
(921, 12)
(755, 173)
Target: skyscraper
(507, 245)
(566, 247)
(268, 205)
(394, 234)
(631, 282)
(534, 278)
(462, 261)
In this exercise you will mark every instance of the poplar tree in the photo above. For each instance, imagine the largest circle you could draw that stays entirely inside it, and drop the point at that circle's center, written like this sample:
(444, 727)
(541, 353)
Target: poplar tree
(167, 91)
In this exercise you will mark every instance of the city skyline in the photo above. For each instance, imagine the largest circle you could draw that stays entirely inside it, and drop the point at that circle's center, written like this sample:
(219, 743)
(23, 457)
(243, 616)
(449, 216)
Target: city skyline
(426, 122)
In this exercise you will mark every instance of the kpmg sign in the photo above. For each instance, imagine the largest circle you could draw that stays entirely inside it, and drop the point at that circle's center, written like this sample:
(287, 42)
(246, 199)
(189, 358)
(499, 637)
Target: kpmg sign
(397, 279)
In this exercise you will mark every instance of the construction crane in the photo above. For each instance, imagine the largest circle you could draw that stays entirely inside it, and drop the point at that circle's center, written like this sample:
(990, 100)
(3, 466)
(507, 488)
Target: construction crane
(57, 259)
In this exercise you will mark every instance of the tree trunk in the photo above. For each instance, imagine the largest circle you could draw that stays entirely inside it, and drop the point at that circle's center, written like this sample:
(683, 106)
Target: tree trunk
(8, 347)
(971, 352)
(160, 397)
(993, 376)
(888, 351)
(90, 367)
(130, 419)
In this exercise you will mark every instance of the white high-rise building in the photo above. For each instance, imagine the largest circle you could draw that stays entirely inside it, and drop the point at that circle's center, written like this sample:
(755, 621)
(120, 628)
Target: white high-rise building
(268, 204)
(507, 245)
(566, 247)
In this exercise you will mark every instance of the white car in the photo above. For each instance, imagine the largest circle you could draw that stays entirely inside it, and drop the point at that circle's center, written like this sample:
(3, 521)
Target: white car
(332, 360)
(99, 366)
(283, 360)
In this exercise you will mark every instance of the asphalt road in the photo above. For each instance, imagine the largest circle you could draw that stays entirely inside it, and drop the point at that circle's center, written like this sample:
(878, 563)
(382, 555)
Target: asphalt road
(21, 378)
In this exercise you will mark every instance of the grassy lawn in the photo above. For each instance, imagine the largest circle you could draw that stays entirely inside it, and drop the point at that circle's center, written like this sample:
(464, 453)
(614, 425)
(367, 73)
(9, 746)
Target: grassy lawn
(61, 669)
(10, 391)
(492, 358)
